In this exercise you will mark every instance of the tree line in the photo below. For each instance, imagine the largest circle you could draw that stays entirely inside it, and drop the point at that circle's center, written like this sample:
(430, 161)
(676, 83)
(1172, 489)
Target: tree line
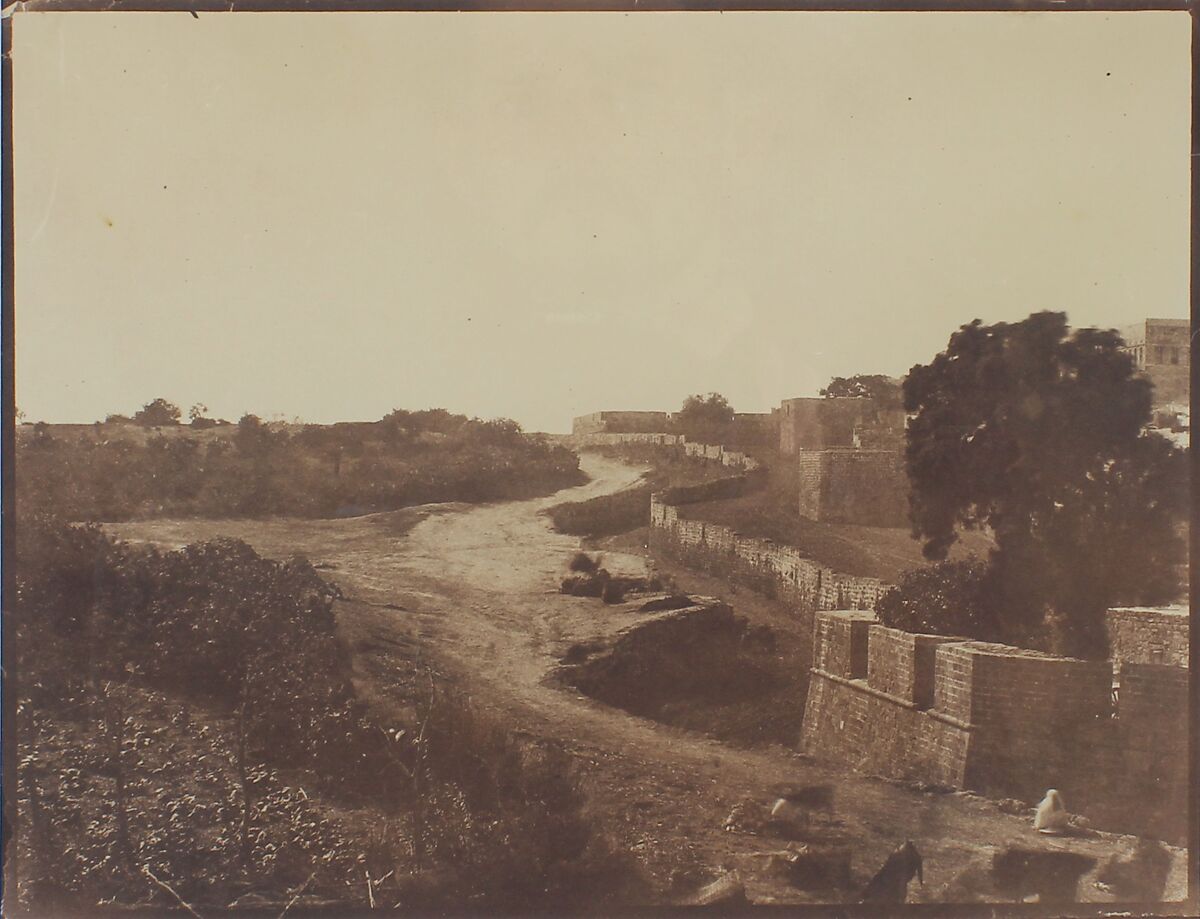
(258, 469)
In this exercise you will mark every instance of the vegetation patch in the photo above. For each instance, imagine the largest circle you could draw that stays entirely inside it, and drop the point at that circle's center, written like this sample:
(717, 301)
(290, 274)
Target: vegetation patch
(127, 470)
(189, 734)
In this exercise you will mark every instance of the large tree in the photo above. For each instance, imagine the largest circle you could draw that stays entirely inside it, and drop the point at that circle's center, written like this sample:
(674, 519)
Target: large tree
(1035, 432)
(883, 389)
(705, 418)
(157, 413)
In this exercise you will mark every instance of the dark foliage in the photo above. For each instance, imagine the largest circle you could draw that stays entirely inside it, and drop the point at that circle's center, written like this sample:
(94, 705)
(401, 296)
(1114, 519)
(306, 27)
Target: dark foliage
(705, 418)
(949, 598)
(583, 562)
(1035, 432)
(253, 469)
(157, 413)
(883, 389)
(189, 717)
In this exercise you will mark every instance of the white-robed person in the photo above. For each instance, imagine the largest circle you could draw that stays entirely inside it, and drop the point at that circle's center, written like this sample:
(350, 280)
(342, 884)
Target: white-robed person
(1051, 815)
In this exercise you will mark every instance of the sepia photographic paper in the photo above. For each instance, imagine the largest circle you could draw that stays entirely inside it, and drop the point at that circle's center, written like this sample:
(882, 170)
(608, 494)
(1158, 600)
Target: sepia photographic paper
(590, 461)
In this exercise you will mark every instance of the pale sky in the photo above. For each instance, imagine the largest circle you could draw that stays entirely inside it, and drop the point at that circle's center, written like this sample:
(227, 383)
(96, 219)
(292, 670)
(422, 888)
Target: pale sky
(546, 214)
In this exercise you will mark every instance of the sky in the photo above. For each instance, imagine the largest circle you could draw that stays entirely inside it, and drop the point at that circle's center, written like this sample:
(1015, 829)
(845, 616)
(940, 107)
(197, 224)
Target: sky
(535, 216)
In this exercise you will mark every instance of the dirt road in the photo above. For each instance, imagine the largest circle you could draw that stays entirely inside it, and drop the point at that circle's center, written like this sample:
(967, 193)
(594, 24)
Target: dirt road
(476, 587)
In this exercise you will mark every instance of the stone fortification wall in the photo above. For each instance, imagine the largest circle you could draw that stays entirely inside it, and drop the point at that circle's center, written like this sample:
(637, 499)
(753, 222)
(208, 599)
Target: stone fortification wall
(1140, 635)
(776, 570)
(865, 487)
(1000, 720)
(715, 453)
(621, 423)
(605, 439)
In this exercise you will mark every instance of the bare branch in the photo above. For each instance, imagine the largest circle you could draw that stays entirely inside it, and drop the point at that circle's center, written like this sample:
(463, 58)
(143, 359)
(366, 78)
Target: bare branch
(169, 889)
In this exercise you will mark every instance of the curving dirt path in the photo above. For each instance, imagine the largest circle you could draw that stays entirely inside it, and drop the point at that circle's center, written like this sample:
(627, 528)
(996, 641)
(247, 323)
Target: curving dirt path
(475, 586)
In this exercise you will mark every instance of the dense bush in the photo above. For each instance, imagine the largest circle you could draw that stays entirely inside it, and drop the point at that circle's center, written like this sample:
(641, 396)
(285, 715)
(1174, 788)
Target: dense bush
(949, 598)
(253, 469)
(173, 708)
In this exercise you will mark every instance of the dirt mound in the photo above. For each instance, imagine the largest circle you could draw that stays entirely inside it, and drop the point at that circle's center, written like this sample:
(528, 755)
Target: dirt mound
(695, 657)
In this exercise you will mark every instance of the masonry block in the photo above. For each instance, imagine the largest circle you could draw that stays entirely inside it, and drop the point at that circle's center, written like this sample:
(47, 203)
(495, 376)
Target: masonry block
(902, 663)
(840, 642)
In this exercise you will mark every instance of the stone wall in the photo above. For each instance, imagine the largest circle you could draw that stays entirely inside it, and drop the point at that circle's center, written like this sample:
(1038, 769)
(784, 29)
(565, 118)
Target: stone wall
(902, 664)
(621, 423)
(759, 428)
(774, 569)
(716, 453)
(815, 424)
(1140, 635)
(865, 487)
(1153, 737)
(605, 439)
(1002, 721)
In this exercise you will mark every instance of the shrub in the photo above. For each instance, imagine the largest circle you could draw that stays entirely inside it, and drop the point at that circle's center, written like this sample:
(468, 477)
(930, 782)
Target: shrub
(949, 598)
(583, 562)
(157, 413)
(171, 703)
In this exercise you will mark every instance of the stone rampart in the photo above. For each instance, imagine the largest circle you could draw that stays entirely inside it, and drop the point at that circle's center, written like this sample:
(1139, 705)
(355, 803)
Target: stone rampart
(1140, 635)
(1002, 721)
(865, 487)
(715, 453)
(774, 569)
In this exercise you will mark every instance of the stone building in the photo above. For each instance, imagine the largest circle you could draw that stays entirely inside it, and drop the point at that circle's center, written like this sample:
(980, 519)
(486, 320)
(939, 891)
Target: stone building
(1160, 348)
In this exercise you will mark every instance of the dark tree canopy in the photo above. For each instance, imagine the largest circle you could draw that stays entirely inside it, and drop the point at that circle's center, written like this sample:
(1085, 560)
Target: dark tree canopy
(883, 389)
(704, 417)
(1036, 433)
(156, 413)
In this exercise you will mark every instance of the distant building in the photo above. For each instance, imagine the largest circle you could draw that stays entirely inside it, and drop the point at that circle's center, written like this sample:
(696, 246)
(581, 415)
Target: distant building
(1161, 349)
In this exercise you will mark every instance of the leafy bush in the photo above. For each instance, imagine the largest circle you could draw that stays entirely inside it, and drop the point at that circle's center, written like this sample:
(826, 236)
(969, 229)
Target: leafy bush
(157, 413)
(949, 598)
(175, 706)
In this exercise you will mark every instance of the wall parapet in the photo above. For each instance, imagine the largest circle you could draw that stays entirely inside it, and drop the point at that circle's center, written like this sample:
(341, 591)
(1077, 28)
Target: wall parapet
(1001, 720)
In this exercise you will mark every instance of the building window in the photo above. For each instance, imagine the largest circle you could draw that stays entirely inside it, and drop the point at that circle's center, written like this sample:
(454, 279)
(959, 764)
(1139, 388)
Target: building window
(1174, 355)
